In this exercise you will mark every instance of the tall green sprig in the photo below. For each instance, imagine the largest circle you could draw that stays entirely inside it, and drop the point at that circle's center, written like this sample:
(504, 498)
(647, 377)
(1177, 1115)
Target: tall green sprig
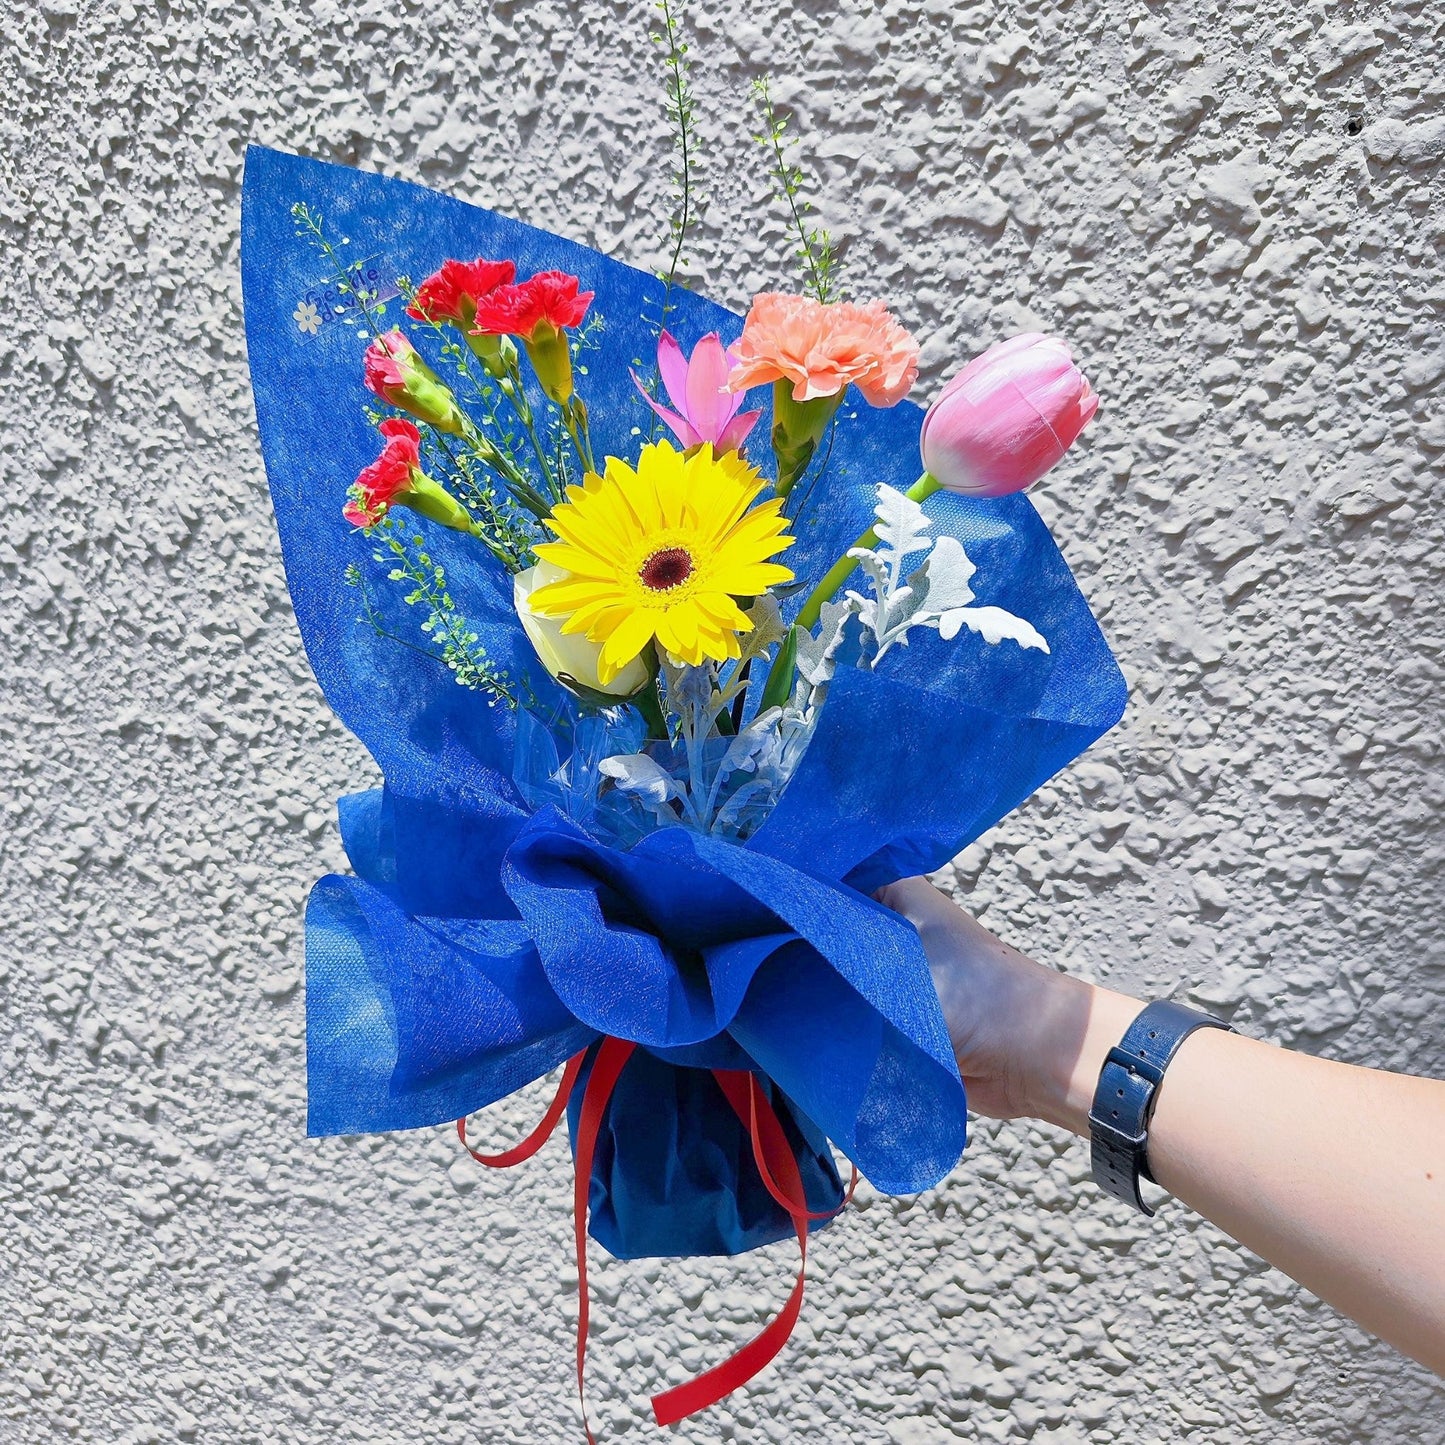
(311, 227)
(815, 244)
(681, 109)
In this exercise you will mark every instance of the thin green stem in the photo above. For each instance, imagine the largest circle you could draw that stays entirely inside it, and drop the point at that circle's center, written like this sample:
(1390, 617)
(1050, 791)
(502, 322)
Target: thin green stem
(574, 418)
(815, 246)
(311, 224)
(680, 109)
(515, 391)
(461, 648)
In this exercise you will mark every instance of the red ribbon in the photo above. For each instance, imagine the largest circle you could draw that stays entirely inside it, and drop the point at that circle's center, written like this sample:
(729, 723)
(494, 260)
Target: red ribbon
(775, 1161)
(539, 1136)
(612, 1054)
(776, 1166)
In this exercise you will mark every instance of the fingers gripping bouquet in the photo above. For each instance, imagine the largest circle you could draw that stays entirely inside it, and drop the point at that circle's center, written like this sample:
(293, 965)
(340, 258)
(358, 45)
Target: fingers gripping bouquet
(667, 666)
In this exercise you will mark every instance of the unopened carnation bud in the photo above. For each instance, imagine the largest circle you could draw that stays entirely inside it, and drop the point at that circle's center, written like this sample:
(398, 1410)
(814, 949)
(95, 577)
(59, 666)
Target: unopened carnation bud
(396, 372)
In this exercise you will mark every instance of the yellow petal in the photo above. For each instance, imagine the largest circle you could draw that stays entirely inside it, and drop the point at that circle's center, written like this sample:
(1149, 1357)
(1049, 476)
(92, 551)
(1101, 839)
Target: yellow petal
(626, 642)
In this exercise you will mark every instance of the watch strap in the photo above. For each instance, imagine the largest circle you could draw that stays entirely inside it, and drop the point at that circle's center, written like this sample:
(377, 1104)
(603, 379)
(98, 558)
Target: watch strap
(1127, 1091)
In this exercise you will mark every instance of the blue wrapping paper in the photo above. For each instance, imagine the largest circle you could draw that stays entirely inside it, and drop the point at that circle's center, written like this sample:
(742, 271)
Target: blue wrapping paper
(479, 943)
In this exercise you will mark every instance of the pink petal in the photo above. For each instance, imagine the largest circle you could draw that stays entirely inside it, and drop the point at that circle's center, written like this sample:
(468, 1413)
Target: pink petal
(1022, 342)
(678, 425)
(735, 433)
(709, 408)
(672, 365)
(747, 374)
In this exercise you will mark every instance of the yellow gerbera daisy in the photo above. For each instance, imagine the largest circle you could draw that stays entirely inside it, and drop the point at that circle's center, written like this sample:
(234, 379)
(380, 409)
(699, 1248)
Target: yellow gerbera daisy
(660, 552)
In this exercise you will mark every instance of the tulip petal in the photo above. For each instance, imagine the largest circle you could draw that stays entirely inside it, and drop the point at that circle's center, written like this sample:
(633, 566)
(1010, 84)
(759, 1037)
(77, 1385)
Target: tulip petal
(1007, 417)
(1021, 342)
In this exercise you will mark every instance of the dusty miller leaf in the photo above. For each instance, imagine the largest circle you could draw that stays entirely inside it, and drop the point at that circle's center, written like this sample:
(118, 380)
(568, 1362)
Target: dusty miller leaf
(644, 778)
(937, 593)
(689, 688)
(902, 526)
(942, 581)
(992, 624)
(743, 751)
(768, 626)
(818, 652)
(730, 814)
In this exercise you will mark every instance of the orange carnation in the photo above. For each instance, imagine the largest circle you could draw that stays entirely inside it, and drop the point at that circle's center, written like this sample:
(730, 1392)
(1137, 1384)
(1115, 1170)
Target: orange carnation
(820, 348)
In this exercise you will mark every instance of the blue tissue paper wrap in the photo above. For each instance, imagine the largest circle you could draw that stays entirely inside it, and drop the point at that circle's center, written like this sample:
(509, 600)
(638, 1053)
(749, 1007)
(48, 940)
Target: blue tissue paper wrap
(479, 943)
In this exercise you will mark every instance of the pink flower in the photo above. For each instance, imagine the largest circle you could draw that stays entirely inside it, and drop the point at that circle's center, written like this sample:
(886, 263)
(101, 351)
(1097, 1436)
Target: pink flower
(1007, 417)
(380, 484)
(820, 348)
(451, 294)
(395, 371)
(706, 410)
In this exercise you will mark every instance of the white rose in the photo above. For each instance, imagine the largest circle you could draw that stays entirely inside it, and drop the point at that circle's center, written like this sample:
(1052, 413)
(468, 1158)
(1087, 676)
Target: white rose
(567, 654)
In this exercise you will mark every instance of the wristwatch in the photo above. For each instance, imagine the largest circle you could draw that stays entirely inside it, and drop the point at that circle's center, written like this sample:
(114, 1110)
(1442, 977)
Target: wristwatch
(1128, 1087)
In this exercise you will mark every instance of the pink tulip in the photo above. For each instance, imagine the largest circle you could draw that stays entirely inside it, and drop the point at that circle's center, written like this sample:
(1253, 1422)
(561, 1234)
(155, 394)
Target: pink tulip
(706, 410)
(1007, 417)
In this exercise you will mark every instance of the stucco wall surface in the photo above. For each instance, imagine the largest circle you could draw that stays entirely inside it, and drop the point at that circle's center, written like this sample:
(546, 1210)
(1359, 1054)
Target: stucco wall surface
(1233, 212)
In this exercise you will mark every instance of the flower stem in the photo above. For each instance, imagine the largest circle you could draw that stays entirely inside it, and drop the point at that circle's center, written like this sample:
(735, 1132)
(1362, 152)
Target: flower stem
(680, 112)
(842, 569)
(515, 391)
(574, 418)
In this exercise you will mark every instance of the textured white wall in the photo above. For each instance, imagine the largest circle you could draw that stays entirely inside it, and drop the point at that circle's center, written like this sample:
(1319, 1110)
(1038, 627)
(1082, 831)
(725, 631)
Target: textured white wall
(1233, 211)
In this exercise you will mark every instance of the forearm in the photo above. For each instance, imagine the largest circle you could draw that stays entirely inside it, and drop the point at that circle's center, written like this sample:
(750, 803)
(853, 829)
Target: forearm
(1334, 1174)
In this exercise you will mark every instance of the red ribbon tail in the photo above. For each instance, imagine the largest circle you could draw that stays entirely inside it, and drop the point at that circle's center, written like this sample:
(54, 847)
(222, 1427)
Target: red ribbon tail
(779, 1170)
(539, 1136)
(776, 1165)
(612, 1054)
(771, 1143)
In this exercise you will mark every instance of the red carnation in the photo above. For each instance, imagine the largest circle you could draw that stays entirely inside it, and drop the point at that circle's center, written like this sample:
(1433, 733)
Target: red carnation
(548, 300)
(379, 485)
(452, 293)
(539, 311)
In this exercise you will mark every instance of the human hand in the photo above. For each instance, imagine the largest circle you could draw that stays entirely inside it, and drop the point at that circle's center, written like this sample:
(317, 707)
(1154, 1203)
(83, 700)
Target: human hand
(1332, 1173)
(1029, 1040)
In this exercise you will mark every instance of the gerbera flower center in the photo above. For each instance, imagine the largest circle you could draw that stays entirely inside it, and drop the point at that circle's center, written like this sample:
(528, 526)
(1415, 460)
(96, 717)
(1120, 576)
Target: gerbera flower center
(664, 570)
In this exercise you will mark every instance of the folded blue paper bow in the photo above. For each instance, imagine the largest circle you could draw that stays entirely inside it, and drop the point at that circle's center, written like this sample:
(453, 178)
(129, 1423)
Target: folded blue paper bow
(480, 945)
(710, 955)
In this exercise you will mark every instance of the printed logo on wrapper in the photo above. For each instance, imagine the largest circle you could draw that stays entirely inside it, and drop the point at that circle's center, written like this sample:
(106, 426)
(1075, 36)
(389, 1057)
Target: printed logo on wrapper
(327, 301)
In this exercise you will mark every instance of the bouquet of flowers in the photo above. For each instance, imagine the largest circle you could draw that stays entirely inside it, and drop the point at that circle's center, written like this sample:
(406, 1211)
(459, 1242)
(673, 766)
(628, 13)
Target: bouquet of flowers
(667, 666)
